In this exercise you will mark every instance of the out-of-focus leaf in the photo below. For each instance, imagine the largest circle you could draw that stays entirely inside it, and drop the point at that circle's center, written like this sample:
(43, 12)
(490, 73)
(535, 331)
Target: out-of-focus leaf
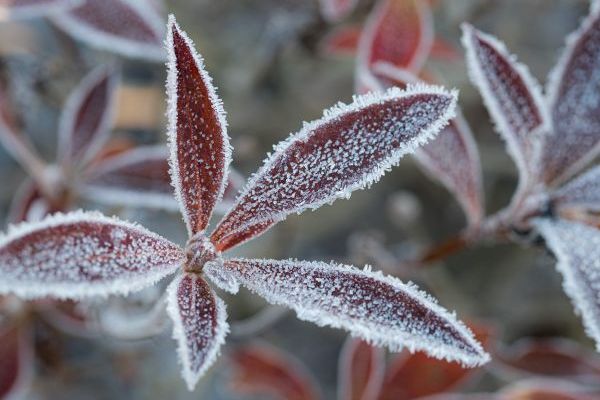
(28, 204)
(361, 370)
(335, 10)
(342, 40)
(348, 149)
(200, 150)
(16, 361)
(132, 28)
(380, 309)
(583, 191)
(259, 369)
(547, 389)
(444, 50)
(25, 9)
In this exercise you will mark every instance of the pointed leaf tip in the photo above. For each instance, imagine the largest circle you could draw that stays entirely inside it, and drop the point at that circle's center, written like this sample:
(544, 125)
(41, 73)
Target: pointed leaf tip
(349, 148)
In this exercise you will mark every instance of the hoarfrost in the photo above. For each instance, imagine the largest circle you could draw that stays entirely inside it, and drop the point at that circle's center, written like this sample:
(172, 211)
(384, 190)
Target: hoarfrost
(583, 191)
(200, 150)
(83, 254)
(577, 250)
(382, 310)
(349, 148)
(199, 324)
(361, 370)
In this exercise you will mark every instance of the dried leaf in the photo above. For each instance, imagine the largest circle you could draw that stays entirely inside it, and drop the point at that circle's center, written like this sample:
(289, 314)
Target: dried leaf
(137, 178)
(348, 149)
(582, 192)
(574, 100)
(25, 9)
(200, 150)
(262, 370)
(511, 94)
(382, 310)
(577, 250)
(132, 28)
(82, 254)
(399, 32)
(199, 324)
(335, 10)
(16, 361)
(85, 123)
(361, 370)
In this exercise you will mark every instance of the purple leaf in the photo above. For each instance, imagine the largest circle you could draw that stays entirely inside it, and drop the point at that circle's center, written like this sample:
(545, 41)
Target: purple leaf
(132, 28)
(577, 250)
(85, 123)
(199, 324)
(335, 10)
(200, 150)
(28, 204)
(511, 95)
(16, 361)
(83, 254)
(137, 178)
(380, 309)
(25, 9)
(574, 100)
(361, 370)
(349, 148)
(584, 191)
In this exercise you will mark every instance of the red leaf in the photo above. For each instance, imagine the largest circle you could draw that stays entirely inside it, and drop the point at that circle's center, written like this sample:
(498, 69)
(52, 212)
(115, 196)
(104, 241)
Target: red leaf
(82, 254)
(573, 90)
(399, 32)
(511, 95)
(200, 150)
(28, 204)
(87, 117)
(138, 178)
(16, 361)
(342, 40)
(347, 149)
(335, 10)
(263, 370)
(22, 9)
(547, 389)
(583, 192)
(199, 324)
(378, 308)
(361, 371)
(132, 28)
(577, 250)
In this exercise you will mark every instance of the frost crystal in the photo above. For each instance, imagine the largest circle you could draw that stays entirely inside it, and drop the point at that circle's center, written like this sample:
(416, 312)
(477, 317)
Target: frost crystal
(83, 254)
(199, 324)
(85, 123)
(132, 28)
(380, 309)
(511, 95)
(361, 370)
(584, 191)
(574, 100)
(138, 177)
(577, 250)
(348, 149)
(200, 150)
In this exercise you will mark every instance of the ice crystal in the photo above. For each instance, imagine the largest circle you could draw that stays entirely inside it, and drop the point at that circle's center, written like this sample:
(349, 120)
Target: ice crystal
(199, 324)
(361, 370)
(200, 150)
(24, 9)
(82, 254)
(511, 95)
(577, 250)
(348, 149)
(87, 116)
(574, 101)
(378, 308)
(583, 191)
(132, 28)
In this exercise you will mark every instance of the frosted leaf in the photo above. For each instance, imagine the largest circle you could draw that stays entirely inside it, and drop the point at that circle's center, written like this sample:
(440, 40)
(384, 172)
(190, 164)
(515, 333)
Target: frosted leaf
(380, 309)
(261, 370)
(510, 93)
(84, 125)
(131, 28)
(577, 250)
(451, 157)
(25, 9)
(584, 191)
(199, 324)
(335, 10)
(349, 148)
(200, 150)
(82, 254)
(137, 178)
(574, 101)
(28, 204)
(16, 361)
(220, 277)
(399, 32)
(361, 370)
(342, 40)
